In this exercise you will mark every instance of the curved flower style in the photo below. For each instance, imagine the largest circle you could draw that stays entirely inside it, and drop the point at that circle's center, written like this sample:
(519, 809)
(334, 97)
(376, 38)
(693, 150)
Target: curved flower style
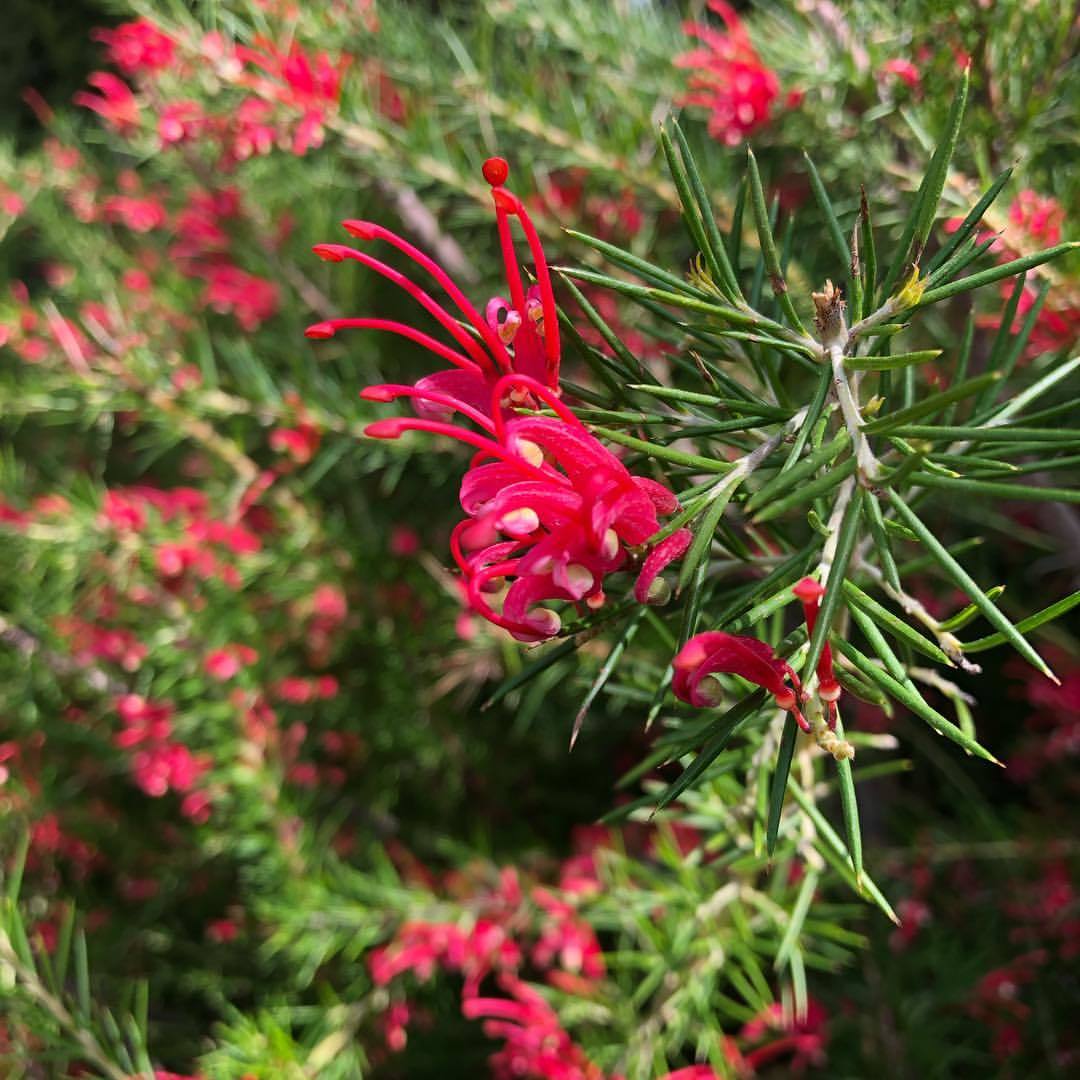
(715, 652)
(551, 511)
(809, 593)
(527, 322)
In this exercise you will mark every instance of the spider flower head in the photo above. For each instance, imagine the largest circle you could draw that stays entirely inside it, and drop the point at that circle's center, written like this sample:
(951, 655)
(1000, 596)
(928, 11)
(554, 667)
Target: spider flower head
(551, 512)
(518, 334)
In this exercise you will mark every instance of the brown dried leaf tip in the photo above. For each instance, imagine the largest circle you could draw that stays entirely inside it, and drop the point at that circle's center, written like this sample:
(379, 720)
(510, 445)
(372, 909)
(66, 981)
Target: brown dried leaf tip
(829, 308)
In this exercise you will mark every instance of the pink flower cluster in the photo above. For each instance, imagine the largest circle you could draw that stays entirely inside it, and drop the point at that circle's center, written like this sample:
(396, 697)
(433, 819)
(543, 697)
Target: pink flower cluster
(289, 92)
(137, 47)
(1052, 726)
(510, 929)
(729, 78)
(552, 513)
(160, 764)
(1035, 221)
(799, 1040)
(534, 1041)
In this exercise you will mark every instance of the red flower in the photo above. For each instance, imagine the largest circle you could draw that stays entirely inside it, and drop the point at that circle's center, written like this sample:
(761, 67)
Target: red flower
(728, 78)
(137, 46)
(1040, 217)
(180, 121)
(116, 104)
(663, 554)
(810, 592)
(527, 321)
(551, 511)
(535, 1042)
(251, 300)
(904, 70)
(139, 215)
(715, 652)
(224, 664)
(804, 1038)
(300, 442)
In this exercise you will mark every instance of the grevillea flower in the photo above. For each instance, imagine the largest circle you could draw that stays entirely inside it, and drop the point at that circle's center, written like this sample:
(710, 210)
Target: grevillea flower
(535, 1043)
(803, 1038)
(729, 78)
(809, 593)
(115, 103)
(136, 47)
(904, 70)
(516, 335)
(715, 652)
(551, 511)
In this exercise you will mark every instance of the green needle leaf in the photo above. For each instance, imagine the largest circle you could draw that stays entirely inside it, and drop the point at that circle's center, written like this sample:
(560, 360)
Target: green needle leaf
(1032, 622)
(909, 697)
(605, 671)
(833, 848)
(780, 781)
(703, 537)
(725, 728)
(715, 252)
(850, 808)
(832, 225)
(882, 544)
(964, 580)
(636, 265)
(998, 490)
(931, 404)
(768, 245)
(834, 587)
(789, 478)
(796, 919)
(970, 222)
(807, 493)
(890, 363)
(664, 453)
(550, 656)
(994, 273)
(895, 625)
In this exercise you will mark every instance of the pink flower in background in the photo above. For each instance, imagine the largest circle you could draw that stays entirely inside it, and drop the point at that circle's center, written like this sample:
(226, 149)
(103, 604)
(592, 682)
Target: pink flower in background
(1040, 217)
(250, 299)
(115, 103)
(224, 664)
(138, 214)
(404, 541)
(300, 442)
(527, 321)
(181, 121)
(168, 766)
(295, 77)
(310, 83)
(904, 70)
(535, 1044)
(1035, 221)
(729, 78)
(136, 47)
(802, 1040)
